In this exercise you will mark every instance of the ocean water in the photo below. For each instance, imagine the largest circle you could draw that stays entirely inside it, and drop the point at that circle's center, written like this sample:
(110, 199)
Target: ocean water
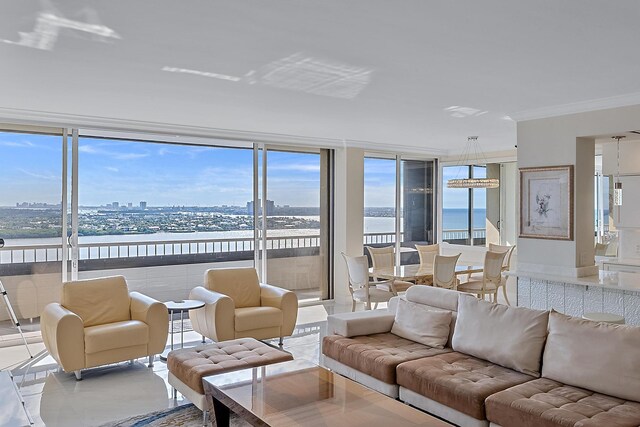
(453, 219)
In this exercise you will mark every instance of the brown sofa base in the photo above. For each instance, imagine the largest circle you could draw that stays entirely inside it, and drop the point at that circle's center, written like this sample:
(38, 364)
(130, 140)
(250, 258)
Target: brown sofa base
(376, 355)
(457, 380)
(547, 403)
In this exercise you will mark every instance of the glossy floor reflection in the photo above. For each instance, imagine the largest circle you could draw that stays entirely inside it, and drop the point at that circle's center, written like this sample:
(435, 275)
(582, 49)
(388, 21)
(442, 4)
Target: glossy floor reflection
(124, 390)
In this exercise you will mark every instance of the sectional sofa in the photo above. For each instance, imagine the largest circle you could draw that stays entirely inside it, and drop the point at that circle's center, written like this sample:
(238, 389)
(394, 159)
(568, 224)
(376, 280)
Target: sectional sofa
(474, 363)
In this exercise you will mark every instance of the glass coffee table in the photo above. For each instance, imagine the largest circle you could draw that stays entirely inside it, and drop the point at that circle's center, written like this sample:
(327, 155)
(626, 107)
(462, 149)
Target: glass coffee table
(300, 393)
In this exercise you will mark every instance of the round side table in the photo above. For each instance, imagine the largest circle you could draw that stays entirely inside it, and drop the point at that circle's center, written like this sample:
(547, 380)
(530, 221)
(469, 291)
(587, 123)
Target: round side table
(179, 307)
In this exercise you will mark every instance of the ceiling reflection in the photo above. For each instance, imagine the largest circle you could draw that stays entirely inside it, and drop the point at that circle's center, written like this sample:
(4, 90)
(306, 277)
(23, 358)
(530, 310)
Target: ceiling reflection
(303, 73)
(50, 22)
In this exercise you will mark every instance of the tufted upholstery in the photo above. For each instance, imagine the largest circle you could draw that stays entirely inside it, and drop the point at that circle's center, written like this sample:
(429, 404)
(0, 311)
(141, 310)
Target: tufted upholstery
(457, 380)
(547, 403)
(376, 355)
(190, 365)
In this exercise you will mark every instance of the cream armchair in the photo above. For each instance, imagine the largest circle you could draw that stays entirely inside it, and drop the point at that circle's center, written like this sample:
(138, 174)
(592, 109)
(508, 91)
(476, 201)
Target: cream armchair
(238, 306)
(99, 322)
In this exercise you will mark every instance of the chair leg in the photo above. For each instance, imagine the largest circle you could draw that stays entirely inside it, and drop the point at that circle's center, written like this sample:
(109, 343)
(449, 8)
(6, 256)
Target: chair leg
(504, 293)
(203, 339)
(78, 375)
(151, 359)
(353, 305)
(280, 342)
(375, 306)
(175, 393)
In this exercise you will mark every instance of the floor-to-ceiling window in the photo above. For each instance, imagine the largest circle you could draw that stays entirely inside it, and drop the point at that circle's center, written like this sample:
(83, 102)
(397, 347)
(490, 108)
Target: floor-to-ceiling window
(161, 214)
(31, 221)
(463, 209)
(160, 211)
(297, 227)
(399, 191)
(379, 201)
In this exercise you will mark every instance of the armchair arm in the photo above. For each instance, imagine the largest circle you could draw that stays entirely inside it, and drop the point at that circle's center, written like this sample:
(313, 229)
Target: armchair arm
(216, 320)
(285, 300)
(155, 315)
(63, 336)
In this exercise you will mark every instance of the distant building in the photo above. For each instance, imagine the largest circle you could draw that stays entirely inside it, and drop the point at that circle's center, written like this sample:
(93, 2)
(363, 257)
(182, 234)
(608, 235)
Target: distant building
(129, 205)
(143, 205)
(271, 207)
(115, 205)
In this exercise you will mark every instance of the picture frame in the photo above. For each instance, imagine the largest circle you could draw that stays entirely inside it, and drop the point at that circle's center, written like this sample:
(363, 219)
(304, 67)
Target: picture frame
(546, 202)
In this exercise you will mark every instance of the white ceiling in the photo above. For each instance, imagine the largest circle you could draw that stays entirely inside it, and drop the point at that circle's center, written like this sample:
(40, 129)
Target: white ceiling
(384, 72)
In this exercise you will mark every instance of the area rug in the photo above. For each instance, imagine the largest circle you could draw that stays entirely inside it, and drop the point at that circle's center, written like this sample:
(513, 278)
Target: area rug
(181, 416)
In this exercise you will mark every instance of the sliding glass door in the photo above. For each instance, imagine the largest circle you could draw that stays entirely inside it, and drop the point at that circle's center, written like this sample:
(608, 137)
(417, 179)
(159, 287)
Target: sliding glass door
(294, 220)
(31, 218)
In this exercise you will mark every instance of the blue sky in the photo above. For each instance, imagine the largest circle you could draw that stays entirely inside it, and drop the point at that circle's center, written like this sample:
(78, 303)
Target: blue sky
(166, 174)
(160, 174)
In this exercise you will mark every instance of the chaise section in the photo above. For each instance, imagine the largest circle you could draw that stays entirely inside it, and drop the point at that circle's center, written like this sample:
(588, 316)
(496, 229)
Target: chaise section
(547, 403)
(457, 381)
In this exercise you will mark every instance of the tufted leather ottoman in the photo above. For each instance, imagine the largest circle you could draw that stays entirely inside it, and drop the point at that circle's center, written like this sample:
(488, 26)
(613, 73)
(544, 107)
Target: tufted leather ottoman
(188, 366)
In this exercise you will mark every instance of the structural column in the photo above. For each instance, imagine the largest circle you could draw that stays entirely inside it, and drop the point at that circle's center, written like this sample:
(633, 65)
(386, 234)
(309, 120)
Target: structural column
(349, 215)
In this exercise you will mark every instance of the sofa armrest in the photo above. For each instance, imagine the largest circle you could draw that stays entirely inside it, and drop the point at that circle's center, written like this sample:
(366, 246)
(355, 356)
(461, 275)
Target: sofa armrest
(285, 300)
(63, 336)
(155, 315)
(216, 320)
(360, 323)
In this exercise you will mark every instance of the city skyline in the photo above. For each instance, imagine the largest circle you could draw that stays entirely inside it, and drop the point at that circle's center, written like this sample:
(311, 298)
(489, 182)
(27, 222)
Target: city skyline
(177, 175)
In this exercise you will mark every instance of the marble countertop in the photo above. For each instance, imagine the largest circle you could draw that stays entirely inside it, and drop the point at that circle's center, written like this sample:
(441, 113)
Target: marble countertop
(605, 279)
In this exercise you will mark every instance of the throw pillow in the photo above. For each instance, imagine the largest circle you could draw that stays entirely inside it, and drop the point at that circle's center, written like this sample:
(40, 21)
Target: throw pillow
(417, 323)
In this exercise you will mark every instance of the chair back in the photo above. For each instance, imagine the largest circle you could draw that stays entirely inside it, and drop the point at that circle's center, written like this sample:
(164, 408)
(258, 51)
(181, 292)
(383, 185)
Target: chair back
(493, 267)
(601, 249)
(506, 249)
(98, 301)
(427, 253)
(241, 284)
(382, 257)
(358, 269)
(444, 271)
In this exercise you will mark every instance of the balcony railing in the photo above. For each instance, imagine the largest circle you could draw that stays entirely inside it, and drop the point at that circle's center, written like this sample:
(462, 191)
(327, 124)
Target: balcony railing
(113, 250)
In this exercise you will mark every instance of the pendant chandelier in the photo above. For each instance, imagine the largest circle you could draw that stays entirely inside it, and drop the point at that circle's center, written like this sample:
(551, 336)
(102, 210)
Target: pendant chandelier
(473, 148)
(617, 185)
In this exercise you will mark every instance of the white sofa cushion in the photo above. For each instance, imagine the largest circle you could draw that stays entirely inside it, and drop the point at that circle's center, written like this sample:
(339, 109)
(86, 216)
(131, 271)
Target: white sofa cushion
(597, 356)
(512, 337)
(418, 323)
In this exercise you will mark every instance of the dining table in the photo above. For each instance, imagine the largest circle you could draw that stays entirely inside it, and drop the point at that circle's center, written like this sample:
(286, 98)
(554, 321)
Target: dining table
(419, 273)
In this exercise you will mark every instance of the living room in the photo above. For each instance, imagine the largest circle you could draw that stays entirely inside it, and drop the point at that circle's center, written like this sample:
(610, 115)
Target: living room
(160, 143)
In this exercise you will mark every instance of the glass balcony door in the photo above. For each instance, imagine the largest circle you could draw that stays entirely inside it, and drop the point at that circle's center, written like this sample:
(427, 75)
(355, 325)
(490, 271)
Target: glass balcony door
(32, 217)
(292, 217)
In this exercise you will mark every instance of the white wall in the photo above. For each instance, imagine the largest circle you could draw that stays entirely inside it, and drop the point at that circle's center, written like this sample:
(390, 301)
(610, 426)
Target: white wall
(568, 140)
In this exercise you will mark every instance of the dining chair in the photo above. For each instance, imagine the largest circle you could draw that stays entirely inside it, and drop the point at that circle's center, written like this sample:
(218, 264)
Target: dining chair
(444, 271)
(427, 253)
(601, 249)
(491, 277)
(360, 288)
(507, 249)
(384, 258)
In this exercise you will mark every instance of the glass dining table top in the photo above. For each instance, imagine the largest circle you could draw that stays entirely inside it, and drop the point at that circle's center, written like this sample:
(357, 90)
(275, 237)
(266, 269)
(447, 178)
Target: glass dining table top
(414, 271)
(300, 393)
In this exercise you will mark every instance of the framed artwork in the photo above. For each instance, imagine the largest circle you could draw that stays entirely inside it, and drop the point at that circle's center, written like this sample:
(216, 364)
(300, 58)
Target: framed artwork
(546, 202)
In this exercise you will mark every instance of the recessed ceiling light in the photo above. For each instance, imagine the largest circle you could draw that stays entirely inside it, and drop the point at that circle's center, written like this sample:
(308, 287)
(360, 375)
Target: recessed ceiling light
(201, 73)
(463, 112)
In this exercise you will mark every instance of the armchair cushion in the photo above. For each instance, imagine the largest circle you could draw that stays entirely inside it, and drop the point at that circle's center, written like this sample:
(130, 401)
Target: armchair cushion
(249, 318)
(241, 284)
(97, 301)
(115, 335)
